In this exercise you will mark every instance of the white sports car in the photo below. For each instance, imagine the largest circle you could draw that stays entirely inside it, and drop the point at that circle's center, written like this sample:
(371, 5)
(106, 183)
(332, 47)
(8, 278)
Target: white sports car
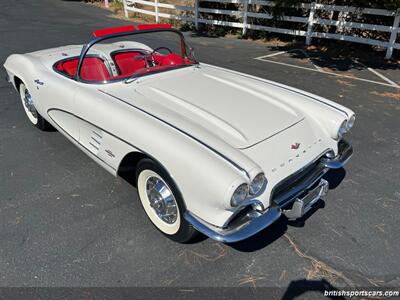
(212, 150)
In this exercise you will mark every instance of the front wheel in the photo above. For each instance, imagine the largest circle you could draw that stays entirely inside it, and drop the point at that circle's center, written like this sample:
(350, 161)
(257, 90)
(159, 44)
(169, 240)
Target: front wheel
(162, 201)
(34, 117)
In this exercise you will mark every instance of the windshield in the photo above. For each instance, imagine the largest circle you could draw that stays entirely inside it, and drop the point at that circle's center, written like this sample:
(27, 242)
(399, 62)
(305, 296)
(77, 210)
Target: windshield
(133, 55)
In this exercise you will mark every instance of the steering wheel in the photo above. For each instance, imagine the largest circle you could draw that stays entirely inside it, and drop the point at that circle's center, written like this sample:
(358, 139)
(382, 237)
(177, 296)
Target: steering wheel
(149, 57)
(159, 48)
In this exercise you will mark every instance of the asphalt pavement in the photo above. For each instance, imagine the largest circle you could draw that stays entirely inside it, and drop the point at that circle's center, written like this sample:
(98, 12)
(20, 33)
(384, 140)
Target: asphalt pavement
(64, 221)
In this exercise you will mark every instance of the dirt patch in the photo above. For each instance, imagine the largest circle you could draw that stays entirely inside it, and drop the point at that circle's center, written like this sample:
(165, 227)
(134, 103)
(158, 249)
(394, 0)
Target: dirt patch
(387, 94)
(250, 280)
(272, 42)
(345, 82)
(195, 257)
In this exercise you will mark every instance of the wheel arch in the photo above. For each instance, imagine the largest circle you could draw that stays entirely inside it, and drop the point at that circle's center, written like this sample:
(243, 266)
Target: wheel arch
(17, 82)
(128, 166)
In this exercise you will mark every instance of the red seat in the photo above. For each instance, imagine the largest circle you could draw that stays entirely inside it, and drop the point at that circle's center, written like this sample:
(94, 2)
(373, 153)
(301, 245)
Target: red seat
(68, 67)
(93, 68)
(127, 63)
(172, 59)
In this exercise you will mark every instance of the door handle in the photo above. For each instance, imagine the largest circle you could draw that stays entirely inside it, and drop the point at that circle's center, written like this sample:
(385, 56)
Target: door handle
(37, 81)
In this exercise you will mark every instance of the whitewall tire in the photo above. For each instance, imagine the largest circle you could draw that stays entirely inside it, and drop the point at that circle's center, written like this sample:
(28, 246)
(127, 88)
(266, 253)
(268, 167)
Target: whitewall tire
(162, 201)
(28, 104)
(159, 202)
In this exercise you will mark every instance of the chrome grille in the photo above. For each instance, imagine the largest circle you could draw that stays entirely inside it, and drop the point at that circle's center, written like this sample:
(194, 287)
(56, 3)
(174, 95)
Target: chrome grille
(292, 186)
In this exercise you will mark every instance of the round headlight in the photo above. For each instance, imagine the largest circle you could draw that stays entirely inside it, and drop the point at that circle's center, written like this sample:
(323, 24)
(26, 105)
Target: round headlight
(240, 194)
(257, 184)
(342, 129)
(350, 122)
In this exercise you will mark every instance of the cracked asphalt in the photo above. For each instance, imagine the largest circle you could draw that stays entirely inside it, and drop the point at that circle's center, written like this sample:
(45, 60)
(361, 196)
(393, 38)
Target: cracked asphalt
(64, 221)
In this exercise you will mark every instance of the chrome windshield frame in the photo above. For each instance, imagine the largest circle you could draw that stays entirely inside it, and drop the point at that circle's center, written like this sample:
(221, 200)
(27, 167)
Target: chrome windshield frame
(87, 47)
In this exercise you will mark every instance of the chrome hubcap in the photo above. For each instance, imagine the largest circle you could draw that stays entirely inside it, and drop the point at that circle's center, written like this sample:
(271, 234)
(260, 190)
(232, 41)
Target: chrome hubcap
(28, 102)
(161, 200)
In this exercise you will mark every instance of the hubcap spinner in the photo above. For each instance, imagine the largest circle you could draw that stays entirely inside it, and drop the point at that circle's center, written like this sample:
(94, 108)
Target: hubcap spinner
(161, 200)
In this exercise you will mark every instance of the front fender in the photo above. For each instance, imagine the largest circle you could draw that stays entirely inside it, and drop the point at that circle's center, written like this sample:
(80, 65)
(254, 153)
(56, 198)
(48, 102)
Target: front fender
(27, 68)
(205, 179)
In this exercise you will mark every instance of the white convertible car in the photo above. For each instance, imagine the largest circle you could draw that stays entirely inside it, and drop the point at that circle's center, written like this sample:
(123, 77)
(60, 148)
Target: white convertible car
(213, 150)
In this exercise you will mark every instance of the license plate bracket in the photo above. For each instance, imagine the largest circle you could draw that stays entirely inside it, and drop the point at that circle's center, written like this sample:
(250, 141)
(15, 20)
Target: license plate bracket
(304, 204)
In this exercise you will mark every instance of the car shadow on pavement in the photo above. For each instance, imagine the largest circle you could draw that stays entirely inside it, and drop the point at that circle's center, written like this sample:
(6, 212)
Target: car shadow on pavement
(335, 177)
(302, 221)
(299, 287)
(263, 238)
(267, 236)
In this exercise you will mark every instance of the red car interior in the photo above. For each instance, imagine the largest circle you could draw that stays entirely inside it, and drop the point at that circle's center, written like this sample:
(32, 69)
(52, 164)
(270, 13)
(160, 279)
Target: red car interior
(93, 68)
(127, 63)
(172, 59)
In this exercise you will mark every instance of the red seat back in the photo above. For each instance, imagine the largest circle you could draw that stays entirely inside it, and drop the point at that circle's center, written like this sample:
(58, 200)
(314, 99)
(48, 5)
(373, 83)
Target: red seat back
(93, 68)
(68, 67)
(127, 64)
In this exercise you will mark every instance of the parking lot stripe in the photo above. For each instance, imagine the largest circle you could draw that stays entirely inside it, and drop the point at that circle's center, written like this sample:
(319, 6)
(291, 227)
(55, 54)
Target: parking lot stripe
(309, 58)
(379, 75)
(262, 58)
(273, 54)
(384, 78)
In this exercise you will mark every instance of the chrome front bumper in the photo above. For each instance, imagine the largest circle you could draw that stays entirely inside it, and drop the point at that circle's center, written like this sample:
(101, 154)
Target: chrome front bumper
(294, 202)
(253, 224)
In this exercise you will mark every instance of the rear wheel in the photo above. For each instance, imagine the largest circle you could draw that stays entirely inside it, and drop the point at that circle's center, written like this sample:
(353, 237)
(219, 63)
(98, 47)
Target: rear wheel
(162, 201)
(34, 117)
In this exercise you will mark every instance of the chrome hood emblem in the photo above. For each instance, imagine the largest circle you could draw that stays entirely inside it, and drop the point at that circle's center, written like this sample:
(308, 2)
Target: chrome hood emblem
(295, 146)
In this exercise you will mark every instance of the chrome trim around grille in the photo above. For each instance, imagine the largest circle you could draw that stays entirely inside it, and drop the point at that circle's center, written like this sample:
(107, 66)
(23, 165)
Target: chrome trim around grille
(302, 181)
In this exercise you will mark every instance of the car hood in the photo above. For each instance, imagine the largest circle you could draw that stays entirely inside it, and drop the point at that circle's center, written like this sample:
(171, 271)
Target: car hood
(239, 110)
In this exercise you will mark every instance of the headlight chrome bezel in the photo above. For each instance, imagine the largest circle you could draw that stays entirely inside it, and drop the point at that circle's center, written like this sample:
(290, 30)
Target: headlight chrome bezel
(257, 184)
(342, 129)
(345, 126)
(240, 194)
(350, 122)
(244, 190)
